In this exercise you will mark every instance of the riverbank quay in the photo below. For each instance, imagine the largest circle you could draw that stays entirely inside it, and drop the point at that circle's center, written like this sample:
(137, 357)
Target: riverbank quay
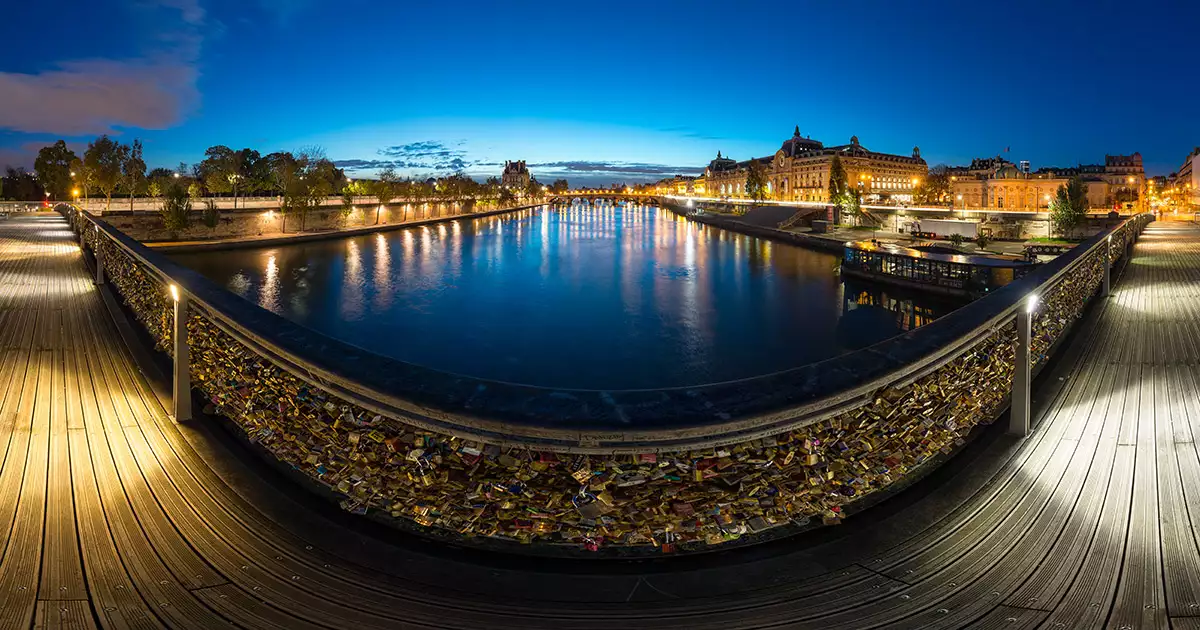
(180, 247)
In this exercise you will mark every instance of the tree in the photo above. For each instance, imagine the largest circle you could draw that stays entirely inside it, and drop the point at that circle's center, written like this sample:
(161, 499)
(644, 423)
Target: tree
(1069, 206)
(103, 160)
(53, 168)
(839, 188)
(176, 207)
(158, 180)
(384, 189)
(560, 186)
(320, 178)
(285, 171)
(21, 186)
(81, 175)
(133, 171)
(533, 189)
(934, 189)
(756, 181)
(224, 170)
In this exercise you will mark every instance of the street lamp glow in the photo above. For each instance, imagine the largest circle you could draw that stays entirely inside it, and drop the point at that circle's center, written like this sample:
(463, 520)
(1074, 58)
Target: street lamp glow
(174, 293)
(75, 192)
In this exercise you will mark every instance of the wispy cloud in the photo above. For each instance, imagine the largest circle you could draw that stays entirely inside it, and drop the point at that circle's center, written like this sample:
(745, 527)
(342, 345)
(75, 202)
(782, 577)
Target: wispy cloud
(623, 168)
(426, 155)
(688, 132)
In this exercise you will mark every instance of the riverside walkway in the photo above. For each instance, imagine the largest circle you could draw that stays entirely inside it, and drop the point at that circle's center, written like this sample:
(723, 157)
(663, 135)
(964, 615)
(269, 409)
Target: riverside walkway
(114, 516)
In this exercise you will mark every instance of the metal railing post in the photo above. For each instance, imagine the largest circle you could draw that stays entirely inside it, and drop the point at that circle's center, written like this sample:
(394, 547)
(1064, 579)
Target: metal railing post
(1018, 422)
(1107, 286)
(181, 391)
(99, 266)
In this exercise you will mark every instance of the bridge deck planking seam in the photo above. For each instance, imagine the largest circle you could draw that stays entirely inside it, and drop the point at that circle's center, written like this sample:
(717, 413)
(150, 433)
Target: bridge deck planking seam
(186, 563)
(1140, 598)
(978, 513)
(116, 605)
(1030, 553)
(1047, 584)
(1087, 601)
(163, 593)
(998, 545)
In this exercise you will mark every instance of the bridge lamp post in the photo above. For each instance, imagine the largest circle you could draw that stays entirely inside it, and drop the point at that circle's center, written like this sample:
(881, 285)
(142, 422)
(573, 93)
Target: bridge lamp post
(1019, 412)
(1018, 415)
(181, 390)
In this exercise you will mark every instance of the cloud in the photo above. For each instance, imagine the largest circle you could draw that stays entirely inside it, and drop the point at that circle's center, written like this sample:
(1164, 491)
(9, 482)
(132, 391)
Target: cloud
(190, 10)
(426, 155)
(688, 132)
(623, 168)
(93, 96)
(90, 97)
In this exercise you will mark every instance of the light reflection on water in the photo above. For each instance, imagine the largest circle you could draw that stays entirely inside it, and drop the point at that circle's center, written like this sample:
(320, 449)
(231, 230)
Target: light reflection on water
(590, 297)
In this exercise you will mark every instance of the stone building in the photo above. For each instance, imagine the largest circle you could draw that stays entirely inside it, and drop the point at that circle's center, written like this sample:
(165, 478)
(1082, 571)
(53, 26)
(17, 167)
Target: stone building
(799, 171)
(998, 184)
(515, 175)
(1186, 182)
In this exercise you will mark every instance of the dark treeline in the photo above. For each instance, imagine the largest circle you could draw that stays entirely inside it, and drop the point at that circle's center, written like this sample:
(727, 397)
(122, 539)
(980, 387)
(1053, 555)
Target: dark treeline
(301, 179)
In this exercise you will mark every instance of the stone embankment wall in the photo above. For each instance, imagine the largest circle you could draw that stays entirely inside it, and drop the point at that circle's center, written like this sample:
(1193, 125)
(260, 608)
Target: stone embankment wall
(253, 222)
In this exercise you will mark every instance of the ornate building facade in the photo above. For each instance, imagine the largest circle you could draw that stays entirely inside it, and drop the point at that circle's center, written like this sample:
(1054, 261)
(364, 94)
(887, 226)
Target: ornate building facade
(1186, 181)
(998, 184)
(799, 171)
(515, 175)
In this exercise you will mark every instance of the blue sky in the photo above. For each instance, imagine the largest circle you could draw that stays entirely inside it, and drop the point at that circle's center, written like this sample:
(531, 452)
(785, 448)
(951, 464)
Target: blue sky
(601, 92)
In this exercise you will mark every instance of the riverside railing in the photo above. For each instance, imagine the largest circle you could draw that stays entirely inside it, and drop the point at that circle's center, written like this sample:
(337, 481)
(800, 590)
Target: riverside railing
(657, 470)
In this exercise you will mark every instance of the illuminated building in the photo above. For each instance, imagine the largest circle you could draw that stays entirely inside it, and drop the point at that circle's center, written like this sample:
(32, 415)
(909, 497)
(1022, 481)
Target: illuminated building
(799, 171)
(1186, 182)
(516, 175)
(998, 184)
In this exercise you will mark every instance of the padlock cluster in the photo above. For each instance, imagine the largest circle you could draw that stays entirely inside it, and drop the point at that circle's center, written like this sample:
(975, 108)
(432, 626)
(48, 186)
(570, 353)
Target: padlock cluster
(668, 501)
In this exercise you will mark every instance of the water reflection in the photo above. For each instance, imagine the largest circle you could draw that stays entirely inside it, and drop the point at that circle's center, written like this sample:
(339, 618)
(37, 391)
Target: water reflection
(594, 297)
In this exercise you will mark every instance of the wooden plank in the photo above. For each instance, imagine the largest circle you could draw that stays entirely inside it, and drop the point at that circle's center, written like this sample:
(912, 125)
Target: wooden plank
(63, 615)
(149, 575)
(22, 555)
(116, 602)
(62, 567)
(1180, 555)
(1010, 618)
(1140, 599)
(1046, 586)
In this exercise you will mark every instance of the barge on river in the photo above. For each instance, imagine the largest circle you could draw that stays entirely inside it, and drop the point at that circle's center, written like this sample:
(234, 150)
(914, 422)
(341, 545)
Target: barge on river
(959, 275)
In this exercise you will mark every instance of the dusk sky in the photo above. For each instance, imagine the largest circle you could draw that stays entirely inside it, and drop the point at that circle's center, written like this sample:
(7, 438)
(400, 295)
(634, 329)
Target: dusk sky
(601, 92)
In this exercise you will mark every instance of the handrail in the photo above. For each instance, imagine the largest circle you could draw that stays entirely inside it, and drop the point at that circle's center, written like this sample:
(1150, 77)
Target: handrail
(831, 384)
(432, 450)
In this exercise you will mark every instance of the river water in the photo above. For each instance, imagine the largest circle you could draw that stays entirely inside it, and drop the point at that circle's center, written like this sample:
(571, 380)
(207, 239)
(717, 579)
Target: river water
(595, 297)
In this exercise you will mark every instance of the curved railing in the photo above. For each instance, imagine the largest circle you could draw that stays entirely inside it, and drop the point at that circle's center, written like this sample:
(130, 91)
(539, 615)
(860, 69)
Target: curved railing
(697, 466)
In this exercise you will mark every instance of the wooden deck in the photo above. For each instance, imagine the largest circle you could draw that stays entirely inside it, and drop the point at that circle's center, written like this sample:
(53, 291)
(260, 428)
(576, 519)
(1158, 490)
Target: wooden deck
(113, 516)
